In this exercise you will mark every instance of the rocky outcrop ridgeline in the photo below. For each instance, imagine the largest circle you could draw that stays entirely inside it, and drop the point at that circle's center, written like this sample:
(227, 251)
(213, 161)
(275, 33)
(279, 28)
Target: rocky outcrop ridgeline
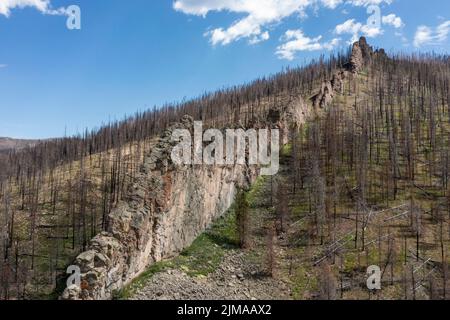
(361, 57)
(166, 208)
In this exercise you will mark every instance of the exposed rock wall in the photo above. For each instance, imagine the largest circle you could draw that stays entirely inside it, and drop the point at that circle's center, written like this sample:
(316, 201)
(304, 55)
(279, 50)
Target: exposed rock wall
(166, 209)
(329, 89)
(286, 117)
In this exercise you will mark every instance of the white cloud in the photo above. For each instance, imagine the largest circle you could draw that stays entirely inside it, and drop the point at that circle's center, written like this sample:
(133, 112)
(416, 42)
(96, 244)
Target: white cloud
(356, 29)
(3, 65)
(332, 4)
(43, 6)
(393, 20)
(423, 35)
(442, 31)
(259, 38)
(429, 36)
(259, 14)
(371, 32)
(349, 26)
(366, 3)
(297, 41)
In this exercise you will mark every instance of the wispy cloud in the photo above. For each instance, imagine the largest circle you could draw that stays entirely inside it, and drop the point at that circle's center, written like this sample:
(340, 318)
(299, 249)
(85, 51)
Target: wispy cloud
(259, 15)
(426, 35)
(297, 41)
(356, 29)
(393, 20)
(44, 6)
(366, 3)
(332, 4)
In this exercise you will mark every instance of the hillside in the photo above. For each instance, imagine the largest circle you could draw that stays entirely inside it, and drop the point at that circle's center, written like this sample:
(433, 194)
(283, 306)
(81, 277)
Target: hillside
(362, 184)
(11, 144)
(363, 181)
(57, 196)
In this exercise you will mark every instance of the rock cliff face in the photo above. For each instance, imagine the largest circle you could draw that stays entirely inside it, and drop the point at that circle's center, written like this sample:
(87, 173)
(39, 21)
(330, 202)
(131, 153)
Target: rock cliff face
(329, 89)
(166, 209)
(286, 117)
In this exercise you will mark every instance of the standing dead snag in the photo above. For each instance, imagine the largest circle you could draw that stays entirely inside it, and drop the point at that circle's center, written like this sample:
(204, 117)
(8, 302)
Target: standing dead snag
(444, 281)
(391, 256)
(317, 182)
(242, 219)
(416, 225)
(327, 283)
(282, 207)
(271, 255)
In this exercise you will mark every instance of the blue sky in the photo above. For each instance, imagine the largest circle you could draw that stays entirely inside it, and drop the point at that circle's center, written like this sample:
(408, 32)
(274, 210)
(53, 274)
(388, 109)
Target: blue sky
(132, 55)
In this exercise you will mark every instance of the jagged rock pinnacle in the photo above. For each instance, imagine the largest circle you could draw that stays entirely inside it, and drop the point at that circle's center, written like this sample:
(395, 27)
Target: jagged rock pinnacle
(362, 55)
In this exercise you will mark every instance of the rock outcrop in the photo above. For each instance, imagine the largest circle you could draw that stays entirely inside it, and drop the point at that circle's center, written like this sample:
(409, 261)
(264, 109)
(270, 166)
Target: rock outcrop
(329, 89)
(167, 207)
(286, 117)
(361, 56)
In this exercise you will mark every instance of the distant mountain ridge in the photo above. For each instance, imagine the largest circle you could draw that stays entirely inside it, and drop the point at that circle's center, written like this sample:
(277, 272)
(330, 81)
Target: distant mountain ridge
(10, 143)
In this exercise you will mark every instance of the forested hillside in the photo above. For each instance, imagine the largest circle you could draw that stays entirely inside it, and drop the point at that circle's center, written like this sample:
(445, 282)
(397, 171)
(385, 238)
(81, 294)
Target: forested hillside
(364, 180)
(368, 182)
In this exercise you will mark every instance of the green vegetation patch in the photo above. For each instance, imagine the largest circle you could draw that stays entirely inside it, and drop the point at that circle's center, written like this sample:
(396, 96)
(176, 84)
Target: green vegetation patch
(254, 195)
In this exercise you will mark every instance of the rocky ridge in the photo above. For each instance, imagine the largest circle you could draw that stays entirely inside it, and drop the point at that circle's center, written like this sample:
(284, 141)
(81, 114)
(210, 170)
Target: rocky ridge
(362, 55)
(168, 206)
